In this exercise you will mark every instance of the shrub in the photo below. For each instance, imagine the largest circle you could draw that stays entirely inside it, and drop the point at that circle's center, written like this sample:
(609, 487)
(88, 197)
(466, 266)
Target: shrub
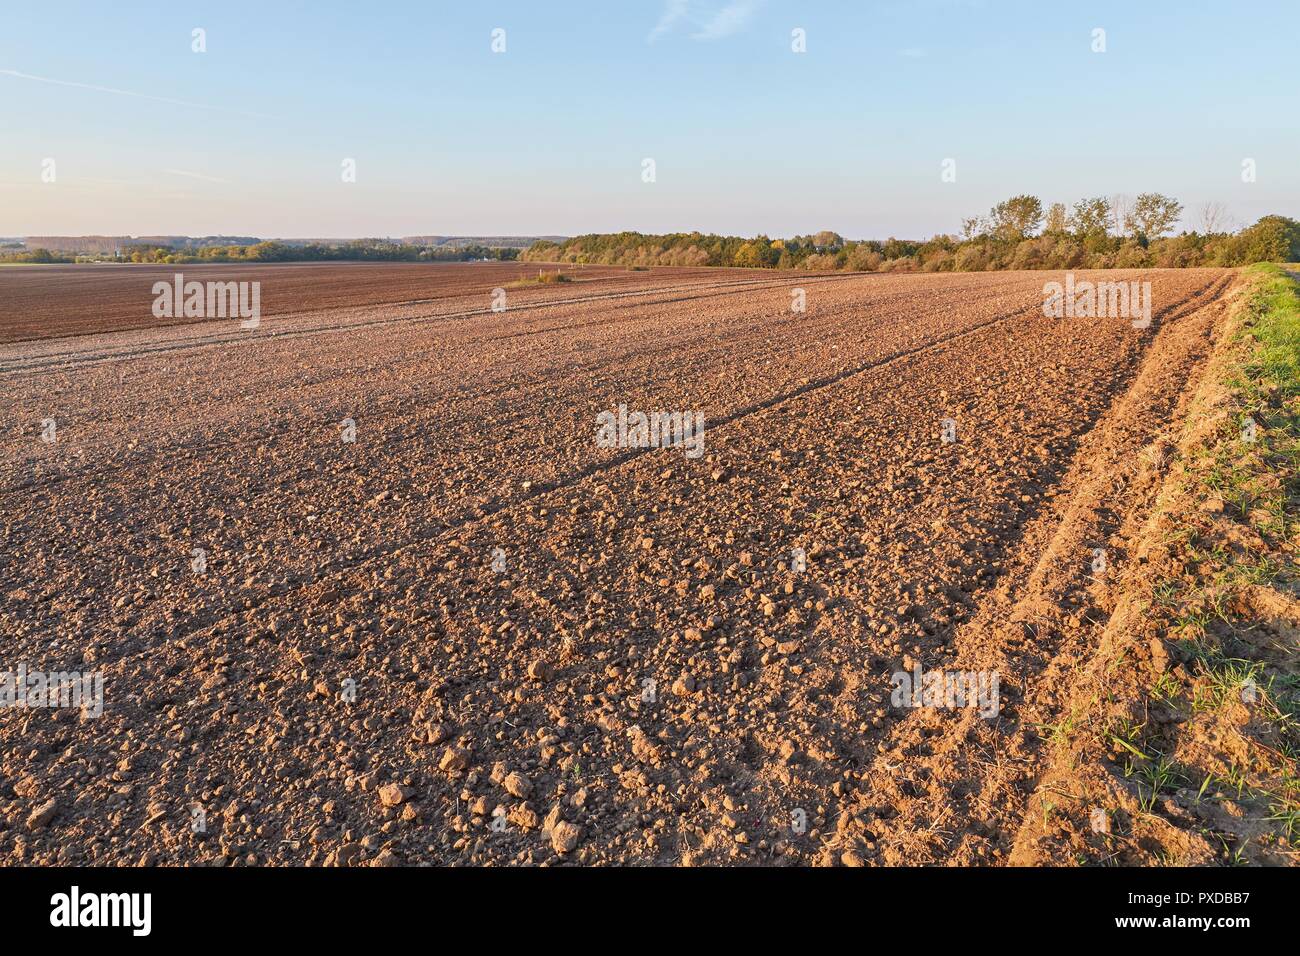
(1065, 254)
(971, 258)
(819, 261)
(939, 261)
(1131, 255)
(863, 258)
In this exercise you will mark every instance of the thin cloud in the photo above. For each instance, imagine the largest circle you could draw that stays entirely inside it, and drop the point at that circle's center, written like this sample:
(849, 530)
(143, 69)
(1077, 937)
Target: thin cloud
(111, 182)
(202, 176)
(674, 11)
(130, 93)
(730, 19)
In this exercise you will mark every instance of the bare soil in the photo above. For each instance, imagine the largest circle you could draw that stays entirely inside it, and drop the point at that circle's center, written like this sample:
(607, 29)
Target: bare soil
(47, 301)
(649, 678)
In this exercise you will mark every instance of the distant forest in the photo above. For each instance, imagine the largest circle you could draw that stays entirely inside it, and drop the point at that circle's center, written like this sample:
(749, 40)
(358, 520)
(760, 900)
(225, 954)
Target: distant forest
(362, 250)
(1095, 233)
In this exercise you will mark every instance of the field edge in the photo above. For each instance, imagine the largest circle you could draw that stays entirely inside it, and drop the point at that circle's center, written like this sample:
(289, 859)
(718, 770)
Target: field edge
(1180, 739)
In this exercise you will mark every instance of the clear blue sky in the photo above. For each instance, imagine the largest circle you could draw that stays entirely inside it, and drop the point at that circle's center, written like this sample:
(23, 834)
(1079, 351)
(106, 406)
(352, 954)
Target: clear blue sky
(549, 136)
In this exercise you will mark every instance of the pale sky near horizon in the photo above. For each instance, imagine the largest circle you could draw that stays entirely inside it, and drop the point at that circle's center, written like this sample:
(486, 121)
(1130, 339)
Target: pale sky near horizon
(748, 136)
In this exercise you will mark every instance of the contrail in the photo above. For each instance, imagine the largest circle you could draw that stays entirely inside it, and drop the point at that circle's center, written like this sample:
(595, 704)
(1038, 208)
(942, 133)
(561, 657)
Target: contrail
(139, 96)
(183, 172)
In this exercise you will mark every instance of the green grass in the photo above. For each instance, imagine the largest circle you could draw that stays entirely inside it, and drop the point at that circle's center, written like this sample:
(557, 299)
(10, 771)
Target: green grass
(1058, 733)
(1155, 777)
(1257, 477)
(1225, 678)
(1275, 324)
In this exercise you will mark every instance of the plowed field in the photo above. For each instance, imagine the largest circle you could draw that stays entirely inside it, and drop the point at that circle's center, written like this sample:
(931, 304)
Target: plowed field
(364, 587)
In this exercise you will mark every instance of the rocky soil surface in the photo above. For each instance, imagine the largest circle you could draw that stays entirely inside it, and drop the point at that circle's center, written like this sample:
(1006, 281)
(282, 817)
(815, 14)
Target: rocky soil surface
(38, 302)
(364, 588)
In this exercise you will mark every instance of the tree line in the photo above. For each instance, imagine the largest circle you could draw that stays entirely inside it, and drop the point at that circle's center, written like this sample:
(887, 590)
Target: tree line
(361, 250)
(1019, 233)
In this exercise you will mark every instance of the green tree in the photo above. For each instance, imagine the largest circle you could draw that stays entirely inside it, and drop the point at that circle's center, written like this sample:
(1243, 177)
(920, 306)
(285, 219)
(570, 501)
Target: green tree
(1090, 218)
(1272, 239)
(1057, 221)
(1017, 217)
(748, 257)
(1153, 215)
